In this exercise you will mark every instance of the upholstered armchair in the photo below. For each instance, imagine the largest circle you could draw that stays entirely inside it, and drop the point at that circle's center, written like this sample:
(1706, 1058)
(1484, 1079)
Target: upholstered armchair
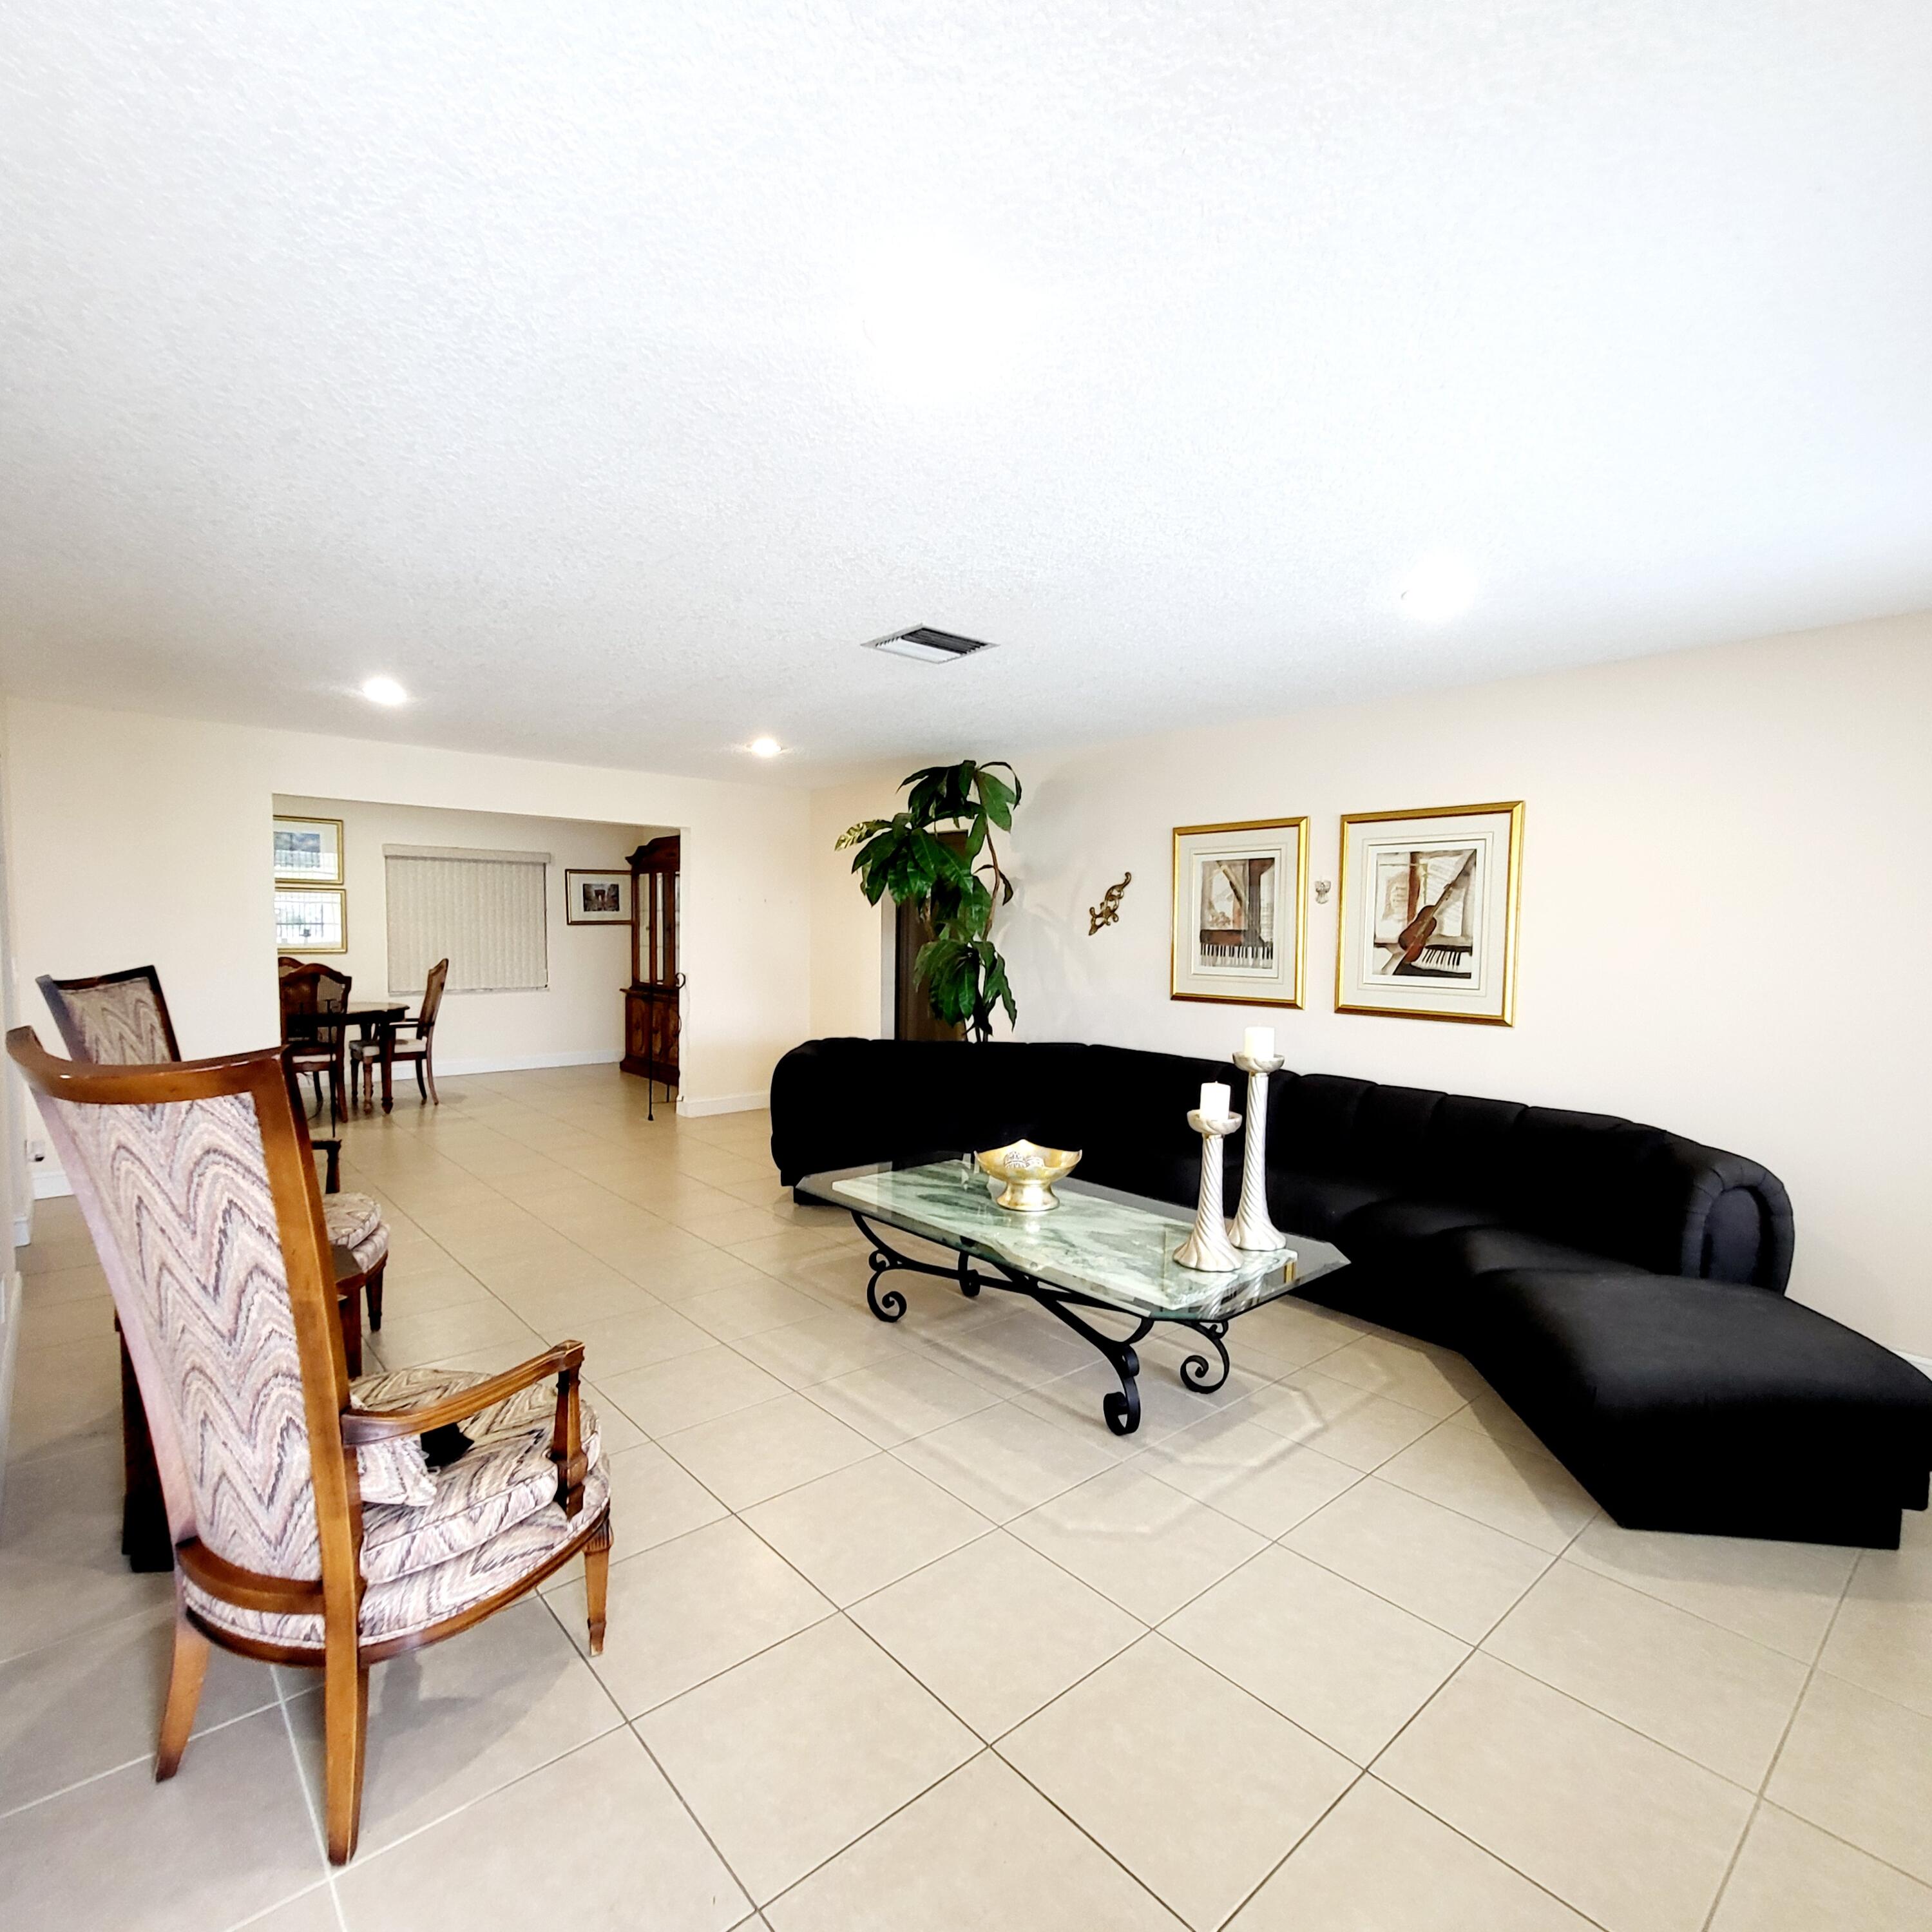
(316, 1520)
(121, 1019)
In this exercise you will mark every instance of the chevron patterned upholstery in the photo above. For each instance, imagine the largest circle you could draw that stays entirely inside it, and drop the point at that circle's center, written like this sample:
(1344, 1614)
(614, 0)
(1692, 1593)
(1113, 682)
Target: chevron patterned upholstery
(355, 1223)
(505, 1476)
(183, 1189)
(400, 1605)
(120, 1022)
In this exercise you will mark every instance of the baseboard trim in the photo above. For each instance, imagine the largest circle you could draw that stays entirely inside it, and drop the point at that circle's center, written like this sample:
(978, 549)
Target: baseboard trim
(10, 1298)
(721, 1103)
(49, 1183)
(520, 1062)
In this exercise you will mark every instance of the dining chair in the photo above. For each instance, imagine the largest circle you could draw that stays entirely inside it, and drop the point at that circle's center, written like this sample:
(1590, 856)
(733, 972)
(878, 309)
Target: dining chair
(312, 1523)
(416, 1045)
(122, 1019)
(315, 1030)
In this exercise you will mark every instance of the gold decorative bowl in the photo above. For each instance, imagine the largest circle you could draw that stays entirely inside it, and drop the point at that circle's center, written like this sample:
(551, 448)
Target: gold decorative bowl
(1029, 1172)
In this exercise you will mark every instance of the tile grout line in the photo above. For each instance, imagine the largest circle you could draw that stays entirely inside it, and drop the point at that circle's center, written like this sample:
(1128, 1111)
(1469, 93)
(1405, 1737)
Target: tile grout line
(1762, 1797)
(308, 1800)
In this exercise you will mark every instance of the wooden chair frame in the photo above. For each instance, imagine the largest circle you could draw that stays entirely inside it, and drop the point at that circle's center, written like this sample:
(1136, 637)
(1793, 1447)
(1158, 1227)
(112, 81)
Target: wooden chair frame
(143, 1521)
(55, 992)
(335, 1428)
(386, 1051)
(330, 1038)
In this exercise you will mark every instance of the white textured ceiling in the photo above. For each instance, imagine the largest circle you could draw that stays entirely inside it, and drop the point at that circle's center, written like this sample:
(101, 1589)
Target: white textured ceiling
(538, 355)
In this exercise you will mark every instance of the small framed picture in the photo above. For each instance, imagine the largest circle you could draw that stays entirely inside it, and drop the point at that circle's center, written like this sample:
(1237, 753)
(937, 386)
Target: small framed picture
(313, 919)
(1237, 924)
(308, 851)
(1428, 913)
(596, 899)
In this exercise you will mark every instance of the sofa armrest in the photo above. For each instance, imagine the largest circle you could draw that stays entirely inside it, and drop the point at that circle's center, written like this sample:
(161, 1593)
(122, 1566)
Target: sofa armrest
(1737, 1222)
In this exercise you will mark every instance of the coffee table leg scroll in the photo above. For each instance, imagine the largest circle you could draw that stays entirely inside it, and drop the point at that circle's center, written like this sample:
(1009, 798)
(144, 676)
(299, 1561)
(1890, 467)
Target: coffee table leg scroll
(1197, 1372)
(885, 1259)
(1123, 1410)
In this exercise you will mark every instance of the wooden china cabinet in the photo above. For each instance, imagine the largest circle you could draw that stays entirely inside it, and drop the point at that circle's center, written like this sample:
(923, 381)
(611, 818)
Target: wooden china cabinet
(651, 999)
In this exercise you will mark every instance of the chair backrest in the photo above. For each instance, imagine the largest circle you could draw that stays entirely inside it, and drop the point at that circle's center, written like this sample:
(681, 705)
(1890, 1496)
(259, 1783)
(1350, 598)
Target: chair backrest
(286, 962)
(120, 1018)
(196, 1185)
(307, 991)
(432, 998)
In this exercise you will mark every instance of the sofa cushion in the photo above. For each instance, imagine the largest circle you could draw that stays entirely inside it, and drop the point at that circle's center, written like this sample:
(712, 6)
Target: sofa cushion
(1385, 1230)
(1709, 1406)
(1319, 1204)
(1461, 1254)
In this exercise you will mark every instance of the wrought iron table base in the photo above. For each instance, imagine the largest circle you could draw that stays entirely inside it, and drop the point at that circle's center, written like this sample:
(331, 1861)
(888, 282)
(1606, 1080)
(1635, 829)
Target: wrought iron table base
(1122, 1411)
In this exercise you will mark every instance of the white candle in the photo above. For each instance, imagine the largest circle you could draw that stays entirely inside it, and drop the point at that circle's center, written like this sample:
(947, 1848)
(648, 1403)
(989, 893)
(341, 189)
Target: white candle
(1214, 1101)
(1258, 1042)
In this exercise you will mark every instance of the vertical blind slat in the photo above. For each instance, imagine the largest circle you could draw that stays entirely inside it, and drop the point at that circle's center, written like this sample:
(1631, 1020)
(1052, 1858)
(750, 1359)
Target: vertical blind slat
(486, 916)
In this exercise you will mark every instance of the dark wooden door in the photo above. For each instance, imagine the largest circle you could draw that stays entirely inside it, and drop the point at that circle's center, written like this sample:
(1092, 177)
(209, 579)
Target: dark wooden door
(912, 1016)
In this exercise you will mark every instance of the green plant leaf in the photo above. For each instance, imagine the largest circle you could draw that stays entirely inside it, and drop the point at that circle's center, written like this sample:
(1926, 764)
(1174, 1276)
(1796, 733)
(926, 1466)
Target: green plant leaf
(997, 798)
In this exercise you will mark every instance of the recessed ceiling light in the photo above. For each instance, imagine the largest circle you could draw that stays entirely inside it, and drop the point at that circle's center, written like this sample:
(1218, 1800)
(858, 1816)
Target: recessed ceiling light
(924, 645)
(1440, 587)
(766, 747)
(384, 691)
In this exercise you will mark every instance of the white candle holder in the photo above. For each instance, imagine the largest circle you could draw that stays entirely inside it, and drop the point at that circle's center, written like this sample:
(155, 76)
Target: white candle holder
(1207, 1248)
(1252, 1229)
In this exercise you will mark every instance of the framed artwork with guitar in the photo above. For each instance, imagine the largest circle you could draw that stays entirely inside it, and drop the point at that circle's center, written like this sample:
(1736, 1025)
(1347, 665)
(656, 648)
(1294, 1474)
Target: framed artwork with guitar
(1427, 918)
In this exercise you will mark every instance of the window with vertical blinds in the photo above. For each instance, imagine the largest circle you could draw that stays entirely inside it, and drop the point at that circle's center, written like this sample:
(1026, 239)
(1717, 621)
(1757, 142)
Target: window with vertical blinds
(483, 911)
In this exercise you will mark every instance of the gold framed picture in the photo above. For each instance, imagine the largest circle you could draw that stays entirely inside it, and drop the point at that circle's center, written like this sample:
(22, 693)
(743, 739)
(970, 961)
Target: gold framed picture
(308, 851)
(1427, 921)
(1238, 924)
(311, 918)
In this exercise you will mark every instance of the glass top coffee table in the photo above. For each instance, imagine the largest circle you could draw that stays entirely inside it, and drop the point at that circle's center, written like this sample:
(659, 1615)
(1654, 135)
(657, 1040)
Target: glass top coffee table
(1097, 1248)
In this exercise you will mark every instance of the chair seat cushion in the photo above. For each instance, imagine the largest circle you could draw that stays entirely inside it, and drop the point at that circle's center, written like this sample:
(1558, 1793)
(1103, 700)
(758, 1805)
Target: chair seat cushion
(355, 1223)
(406, 1604)
(488, 1517)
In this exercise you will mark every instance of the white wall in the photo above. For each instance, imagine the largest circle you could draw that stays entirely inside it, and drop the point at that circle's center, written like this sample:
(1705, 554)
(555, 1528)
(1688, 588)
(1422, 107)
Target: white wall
(851, 941)
(1726, 903)
(139, 839)
(578, 1018)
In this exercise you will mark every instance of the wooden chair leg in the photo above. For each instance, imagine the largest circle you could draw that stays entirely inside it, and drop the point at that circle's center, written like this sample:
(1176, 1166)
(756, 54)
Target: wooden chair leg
(349, 1306)
(345, 1717)
(422, 1091)
(373, 1288)
(597, 1581)
(184, 1682)
(429, 1074)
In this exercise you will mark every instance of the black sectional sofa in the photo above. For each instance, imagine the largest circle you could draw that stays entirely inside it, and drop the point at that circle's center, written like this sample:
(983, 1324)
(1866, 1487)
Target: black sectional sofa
(1621, 1287)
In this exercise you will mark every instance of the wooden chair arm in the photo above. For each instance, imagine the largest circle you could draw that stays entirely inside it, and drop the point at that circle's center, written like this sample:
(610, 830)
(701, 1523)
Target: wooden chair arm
(363, 1425)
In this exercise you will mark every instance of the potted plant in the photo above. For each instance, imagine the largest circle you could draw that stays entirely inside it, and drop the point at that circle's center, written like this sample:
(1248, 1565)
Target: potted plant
(958, 885)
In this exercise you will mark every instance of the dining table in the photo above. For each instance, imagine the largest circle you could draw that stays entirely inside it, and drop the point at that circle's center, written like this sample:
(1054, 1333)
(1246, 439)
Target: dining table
(367, 1017)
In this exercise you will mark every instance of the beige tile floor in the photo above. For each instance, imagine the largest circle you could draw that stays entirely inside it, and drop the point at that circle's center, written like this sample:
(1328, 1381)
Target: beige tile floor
(900, 1638)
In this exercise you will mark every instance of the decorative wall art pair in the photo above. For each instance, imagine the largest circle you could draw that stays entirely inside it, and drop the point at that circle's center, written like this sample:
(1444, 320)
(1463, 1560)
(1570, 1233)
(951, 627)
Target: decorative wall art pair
(1426, 918)
(311, 893)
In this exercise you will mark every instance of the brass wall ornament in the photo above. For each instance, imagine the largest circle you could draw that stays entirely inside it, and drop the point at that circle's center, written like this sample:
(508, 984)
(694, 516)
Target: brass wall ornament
(1107, 912)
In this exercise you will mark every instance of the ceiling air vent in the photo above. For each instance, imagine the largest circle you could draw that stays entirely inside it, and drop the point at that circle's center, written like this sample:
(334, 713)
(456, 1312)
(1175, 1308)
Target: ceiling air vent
(925, 645)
